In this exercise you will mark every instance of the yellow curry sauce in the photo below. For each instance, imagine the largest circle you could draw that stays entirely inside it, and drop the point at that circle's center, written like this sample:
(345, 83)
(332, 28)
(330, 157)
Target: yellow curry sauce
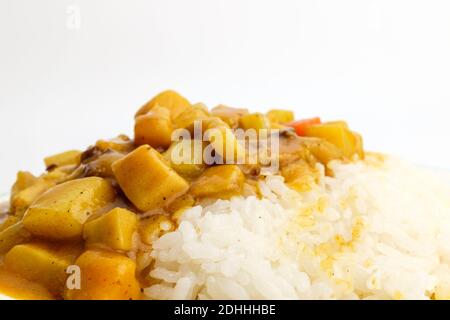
(96, 213)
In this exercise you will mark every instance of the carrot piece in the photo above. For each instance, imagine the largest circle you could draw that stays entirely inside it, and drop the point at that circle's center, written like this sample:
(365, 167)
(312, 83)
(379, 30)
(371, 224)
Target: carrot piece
(301, 125)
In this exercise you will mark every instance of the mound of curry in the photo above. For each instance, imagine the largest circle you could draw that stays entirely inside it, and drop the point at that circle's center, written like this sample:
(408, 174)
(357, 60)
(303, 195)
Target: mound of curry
(96, 212)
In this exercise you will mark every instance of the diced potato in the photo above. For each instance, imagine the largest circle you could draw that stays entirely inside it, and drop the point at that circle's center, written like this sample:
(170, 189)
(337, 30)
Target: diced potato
(42, 263)
(105, 276)
(222, 182)
(186, 157)
(63, 159)
(223, 141)
(9, 221)
(337, 134)
(168, 99)
(16, 287)
(323, 150)
(61, 212)
(13, 235)
(254, 121)
(214, 123)
(21, 200)
(147, 180)
(114, 229)
(186, 119)
(280, 116)
(24, 180)
(154, 128)
(229, 115)
(120, 144)
(154, 227)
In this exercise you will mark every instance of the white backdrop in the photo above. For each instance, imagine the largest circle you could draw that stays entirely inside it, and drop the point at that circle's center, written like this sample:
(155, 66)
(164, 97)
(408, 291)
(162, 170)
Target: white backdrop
(74, 71)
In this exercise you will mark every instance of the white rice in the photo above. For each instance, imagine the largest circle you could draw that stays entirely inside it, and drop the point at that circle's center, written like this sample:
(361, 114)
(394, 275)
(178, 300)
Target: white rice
(376, 230)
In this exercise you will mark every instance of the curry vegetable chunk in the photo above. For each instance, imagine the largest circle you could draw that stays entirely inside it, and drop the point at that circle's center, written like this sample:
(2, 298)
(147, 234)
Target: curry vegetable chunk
(45, 264)
(114, 229)
(323, 150)
(219, 181)
(24, 180)
(13, 235)
(186, 119)
(154, 128)
(105, 276)
(63, 159)
(147, 180)
(254, 121)
(280, 116)
(22, 199)
(62, 211)
(168, 99)
(9, 221)
(186, 157)
(338, 134)
(223, 141)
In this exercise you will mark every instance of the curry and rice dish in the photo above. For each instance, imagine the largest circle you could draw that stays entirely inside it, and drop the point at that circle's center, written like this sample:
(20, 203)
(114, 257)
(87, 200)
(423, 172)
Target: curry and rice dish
(155, 217)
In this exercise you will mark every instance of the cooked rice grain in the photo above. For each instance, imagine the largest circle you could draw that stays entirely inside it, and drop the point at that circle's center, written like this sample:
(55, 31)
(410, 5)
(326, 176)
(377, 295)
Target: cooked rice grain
(376, 230)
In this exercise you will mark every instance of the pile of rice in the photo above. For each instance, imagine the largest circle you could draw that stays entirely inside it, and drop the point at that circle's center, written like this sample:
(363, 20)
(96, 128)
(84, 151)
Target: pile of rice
(378, 229)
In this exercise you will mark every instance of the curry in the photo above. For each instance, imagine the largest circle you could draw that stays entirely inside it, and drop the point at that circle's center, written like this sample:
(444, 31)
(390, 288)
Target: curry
(96, 209)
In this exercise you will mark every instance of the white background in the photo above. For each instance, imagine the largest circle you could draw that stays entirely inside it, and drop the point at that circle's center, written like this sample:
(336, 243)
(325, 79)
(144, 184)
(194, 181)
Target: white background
(382, 65)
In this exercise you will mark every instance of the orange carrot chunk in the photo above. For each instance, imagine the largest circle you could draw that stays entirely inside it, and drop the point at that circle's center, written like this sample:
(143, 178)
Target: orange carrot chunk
(301, 125)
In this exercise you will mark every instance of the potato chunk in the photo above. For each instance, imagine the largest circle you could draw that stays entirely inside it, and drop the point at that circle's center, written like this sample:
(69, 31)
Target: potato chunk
(168, 99)
(223, 141)
(72, 157)
(147, 180)
(154, 128)
(24, 180)
(13, 235)
(186, 157)
(15, 286)
(22, 199)
(105, 276)
(61, 212)
(280, 116)
(338, 134)
(323, 150)
(255, 121)
(114, 229)
(221, 182)
(9, 221)
(187, 118)
(42, 263)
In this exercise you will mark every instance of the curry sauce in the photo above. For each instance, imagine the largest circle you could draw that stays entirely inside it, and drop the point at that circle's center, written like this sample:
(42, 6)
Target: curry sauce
(95, 213)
